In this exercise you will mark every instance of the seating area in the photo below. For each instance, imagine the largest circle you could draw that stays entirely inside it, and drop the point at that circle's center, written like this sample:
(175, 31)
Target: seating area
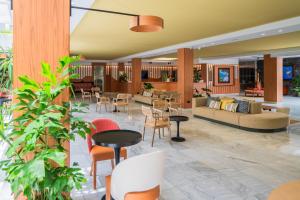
(149, 100)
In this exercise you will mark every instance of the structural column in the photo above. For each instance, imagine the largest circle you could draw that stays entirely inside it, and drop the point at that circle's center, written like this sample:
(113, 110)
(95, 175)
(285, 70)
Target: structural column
(185, 76)
(136, 75)
(41, 33)
(273, 80)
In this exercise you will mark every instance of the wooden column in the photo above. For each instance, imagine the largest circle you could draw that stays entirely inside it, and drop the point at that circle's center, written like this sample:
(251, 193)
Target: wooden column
(273, 80)
(185, 76)
(41, 33)
(136, 75)
(204, 72)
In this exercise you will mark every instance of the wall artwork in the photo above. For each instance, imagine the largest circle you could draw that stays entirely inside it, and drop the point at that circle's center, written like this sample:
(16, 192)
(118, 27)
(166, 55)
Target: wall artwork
(224, 75)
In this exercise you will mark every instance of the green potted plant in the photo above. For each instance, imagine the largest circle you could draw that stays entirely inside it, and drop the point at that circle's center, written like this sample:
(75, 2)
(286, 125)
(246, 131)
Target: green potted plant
(123, 78)
(197, 75)
(35, 167)
(148, 86)
(6, 71)
(296, 85)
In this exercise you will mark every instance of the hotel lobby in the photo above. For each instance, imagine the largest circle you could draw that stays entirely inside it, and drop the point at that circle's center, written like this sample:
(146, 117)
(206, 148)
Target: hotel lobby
(171, 100)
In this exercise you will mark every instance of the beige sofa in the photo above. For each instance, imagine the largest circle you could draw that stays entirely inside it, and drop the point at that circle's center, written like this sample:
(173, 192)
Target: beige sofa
(255, 120)
(155, 94)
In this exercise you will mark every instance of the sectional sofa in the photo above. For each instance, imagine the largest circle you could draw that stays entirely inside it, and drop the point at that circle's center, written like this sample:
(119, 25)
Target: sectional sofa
(147, 97)
(256, 120)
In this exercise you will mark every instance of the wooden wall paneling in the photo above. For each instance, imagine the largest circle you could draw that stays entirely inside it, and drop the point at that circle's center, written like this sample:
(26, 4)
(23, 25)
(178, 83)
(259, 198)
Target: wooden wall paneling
(136, 75)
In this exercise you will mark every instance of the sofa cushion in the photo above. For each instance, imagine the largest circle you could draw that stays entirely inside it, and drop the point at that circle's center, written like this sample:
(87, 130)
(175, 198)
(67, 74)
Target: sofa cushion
(147, 94)
(209, 99)
(227, 117)
(243, 106)
(255, 108)
(265, 120)
(204, 111)
(143, 99)
(231, 107)
(226, 101)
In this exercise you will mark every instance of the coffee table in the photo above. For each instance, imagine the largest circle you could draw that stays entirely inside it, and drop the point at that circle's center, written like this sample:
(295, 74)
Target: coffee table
(178, 119)
(117, 139)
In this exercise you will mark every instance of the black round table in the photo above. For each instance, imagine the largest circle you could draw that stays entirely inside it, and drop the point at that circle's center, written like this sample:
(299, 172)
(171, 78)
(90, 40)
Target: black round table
(178, 119)
(117, 139)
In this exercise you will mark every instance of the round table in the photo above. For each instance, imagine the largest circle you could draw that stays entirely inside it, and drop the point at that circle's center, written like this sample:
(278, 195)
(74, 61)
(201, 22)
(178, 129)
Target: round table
(117, 139)
(288, 191)
(178, 119)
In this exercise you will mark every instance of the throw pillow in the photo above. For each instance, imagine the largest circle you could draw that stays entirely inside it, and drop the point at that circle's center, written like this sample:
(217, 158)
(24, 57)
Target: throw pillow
(147, 94)
(224, 102)
(212, 104)
(243, 106)
(217, 105)
(231, 107)
(209, 99)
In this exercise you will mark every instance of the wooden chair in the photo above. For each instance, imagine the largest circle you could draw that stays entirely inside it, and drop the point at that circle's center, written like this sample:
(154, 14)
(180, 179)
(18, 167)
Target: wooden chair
(161, 105)
(154, 119)
(175, 103)
(121, 101)
(102, 101)
(145, 173)
(99, 153)
(86, 95)
(95, 90)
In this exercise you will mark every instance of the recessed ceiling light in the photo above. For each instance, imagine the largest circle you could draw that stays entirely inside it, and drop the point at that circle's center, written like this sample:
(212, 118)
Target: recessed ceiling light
(280, 30)
(262, 34)
(213, 43)
(199, 48)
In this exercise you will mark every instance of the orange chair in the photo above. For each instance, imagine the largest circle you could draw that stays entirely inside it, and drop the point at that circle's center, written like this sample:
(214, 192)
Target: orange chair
(99, 153)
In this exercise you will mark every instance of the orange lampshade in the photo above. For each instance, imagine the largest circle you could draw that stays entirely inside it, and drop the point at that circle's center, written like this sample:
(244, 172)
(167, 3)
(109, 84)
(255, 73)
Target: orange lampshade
(146, 23)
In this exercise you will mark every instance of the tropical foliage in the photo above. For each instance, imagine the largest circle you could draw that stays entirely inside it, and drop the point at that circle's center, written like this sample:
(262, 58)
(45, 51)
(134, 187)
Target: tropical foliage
(6, 70)
(36, 158)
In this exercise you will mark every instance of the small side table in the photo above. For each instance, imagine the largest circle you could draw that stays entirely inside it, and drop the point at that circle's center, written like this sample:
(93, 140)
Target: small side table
(178, 119)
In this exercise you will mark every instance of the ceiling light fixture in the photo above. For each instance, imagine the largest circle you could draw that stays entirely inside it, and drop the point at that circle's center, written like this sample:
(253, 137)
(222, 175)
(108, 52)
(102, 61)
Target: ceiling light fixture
(280, 30)
(138, 23)
(262, 34)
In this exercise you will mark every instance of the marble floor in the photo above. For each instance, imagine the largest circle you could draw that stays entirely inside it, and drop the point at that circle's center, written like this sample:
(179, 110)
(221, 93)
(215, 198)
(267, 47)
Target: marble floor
(215, 163)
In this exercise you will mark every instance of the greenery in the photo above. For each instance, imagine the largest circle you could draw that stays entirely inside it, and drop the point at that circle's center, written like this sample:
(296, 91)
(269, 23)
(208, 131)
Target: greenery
(207, 91)
(123, 78)
(296, 84)
(35, 162)
(197, 75)
(6, 70)
(148, 86)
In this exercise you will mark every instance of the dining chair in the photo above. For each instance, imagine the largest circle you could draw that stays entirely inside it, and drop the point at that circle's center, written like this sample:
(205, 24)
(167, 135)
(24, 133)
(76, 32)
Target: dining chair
(174, 102)
(121, 101)
(137, 178)
(160, 104)
(102, 101)
(86, 95)
(155, 119)
(99, 153)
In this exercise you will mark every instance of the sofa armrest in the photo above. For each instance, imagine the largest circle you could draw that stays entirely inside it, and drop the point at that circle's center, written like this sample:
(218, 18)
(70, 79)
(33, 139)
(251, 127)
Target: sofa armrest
(199, 101)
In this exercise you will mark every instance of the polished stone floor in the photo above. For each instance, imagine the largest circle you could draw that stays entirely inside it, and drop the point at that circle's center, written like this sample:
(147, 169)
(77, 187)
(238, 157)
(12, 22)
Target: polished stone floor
(215, 163)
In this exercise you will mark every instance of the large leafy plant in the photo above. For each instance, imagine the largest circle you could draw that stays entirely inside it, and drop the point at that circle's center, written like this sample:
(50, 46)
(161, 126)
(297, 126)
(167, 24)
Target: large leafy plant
(36, 158)
(6, 70)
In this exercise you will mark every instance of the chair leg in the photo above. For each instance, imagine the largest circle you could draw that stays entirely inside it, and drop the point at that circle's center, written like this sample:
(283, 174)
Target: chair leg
(144, 133)
(170, 134)
(163, 130)
(96, 107)
(112, 163)
(153, 137)
(94, 174)
(105, 107)
(91, 171)
(159, 133)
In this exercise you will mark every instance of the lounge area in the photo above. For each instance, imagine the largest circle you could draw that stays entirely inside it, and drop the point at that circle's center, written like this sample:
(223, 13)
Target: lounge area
(147, 100)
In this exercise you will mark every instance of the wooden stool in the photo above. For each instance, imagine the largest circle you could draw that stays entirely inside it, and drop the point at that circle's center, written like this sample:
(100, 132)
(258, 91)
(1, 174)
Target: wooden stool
(288, 191)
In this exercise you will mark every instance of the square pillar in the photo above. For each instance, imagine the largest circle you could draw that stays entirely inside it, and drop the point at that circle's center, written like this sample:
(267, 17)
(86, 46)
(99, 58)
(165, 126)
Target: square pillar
(273, 80)
(40, 33)
(136, 75)
(185, 76)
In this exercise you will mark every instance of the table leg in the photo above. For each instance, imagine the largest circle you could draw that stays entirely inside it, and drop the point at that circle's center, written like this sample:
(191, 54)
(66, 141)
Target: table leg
(117, 151)
(178, 138)
(116, 110)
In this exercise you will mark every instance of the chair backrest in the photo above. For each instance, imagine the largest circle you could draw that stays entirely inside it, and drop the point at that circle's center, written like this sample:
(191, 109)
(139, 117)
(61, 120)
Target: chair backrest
(81, 90)
(101, 124)
(137, 174)
(159, 104)
(97, 95)
(147, 111)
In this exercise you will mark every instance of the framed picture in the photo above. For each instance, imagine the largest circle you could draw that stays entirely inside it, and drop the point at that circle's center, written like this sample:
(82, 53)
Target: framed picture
(224, 75)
